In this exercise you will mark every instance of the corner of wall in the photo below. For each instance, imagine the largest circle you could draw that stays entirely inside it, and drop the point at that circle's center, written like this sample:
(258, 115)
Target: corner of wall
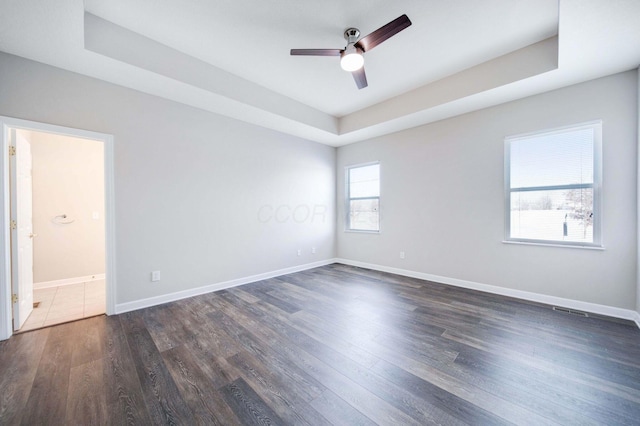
(336, 201)
(638, 208)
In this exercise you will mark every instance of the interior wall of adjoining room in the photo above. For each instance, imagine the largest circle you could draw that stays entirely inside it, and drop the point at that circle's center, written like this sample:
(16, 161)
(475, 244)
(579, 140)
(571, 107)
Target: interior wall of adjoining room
(68, 207)
(442, 198)
(201, 198)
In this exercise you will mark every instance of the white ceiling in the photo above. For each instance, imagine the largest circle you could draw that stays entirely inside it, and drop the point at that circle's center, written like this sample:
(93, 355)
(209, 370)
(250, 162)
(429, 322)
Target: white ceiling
(232, 56)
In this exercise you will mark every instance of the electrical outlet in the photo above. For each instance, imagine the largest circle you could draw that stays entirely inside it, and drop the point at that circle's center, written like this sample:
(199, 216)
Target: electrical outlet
(313, 250)
(299, 252)
(155, 276)
(401, 255)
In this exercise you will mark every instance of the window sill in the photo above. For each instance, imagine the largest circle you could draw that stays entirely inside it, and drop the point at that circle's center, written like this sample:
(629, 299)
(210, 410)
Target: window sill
(530, 243)
(356, 231)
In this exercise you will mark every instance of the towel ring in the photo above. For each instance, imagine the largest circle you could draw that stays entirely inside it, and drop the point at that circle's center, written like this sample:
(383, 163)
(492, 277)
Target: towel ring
(62, 219)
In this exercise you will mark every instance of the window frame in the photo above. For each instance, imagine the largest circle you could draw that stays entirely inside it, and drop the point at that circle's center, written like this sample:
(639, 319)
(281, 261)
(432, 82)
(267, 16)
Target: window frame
(596, 125)
(348, 199)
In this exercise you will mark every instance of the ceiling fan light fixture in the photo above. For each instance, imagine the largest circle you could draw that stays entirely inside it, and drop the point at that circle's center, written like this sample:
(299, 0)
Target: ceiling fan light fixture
(352, 59)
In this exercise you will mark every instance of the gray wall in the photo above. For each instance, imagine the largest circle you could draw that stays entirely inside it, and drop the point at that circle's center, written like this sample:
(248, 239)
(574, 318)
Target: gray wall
(193, 190)
(442, 197)
(207, 199)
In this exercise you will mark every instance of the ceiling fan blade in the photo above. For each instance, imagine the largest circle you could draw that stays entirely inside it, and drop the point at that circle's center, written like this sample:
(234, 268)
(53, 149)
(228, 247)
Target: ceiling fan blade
(316, 52)
(360, 77)
(383, 33)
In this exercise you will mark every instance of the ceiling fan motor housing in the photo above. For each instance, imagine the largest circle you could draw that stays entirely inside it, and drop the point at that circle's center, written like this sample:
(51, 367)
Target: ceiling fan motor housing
(351, 35)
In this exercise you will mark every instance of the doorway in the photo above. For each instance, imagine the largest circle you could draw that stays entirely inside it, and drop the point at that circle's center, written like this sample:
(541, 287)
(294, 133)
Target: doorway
(70, 282)
(67, 228)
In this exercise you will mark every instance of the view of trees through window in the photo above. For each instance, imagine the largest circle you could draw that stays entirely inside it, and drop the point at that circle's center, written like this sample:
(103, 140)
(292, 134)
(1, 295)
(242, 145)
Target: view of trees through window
(553, 215)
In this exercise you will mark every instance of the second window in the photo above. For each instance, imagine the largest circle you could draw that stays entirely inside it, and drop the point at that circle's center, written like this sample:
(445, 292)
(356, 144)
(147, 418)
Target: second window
(363, 197)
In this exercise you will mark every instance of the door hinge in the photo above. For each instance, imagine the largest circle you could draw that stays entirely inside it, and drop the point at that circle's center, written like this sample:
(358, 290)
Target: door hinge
(12, 150)
(14, 298)
(14, 224)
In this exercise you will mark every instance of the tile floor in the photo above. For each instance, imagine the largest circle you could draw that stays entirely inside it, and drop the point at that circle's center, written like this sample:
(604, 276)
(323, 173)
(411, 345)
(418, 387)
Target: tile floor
(66, 303)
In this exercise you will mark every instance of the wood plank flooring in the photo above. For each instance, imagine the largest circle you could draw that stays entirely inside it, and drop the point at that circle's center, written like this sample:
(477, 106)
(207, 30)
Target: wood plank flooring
(333, 345)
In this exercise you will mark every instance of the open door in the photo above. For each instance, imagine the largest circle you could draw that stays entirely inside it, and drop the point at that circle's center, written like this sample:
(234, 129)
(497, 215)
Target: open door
(21, 230)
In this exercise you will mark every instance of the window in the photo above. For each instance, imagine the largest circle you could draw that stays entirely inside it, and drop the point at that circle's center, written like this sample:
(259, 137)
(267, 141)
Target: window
(363, 198)
(552, 186)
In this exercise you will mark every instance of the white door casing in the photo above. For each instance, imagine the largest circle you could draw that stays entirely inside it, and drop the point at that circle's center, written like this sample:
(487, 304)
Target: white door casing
(22, 236)
(7, 125)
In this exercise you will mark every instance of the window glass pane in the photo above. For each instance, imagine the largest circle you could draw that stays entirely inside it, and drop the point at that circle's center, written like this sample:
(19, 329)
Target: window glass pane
(364, 181)
(562, 215)
(554, 159)
(364, 215)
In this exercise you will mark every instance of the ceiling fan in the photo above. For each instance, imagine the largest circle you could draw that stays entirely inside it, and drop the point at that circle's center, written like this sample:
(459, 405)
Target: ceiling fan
(351, 58)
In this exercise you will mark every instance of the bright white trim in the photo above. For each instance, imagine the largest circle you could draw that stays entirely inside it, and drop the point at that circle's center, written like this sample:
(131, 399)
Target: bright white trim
(6, 316)
(555, 130)
(530, 243)
(172, 297)
(596, 126)
(68, 281)
(347, 180)
(6, 123)
(637, 318)
(595, 308)
(110, 225)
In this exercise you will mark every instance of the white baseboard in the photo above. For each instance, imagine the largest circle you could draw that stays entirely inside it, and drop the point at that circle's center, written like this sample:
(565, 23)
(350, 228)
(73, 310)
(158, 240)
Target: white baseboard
(637, 319)
(171, 297)
(68, 281)
(519, 294)
(595, 308)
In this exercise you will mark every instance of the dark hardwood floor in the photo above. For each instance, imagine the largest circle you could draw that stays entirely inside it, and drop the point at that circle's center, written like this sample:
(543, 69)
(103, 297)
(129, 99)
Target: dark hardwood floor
(333, 345)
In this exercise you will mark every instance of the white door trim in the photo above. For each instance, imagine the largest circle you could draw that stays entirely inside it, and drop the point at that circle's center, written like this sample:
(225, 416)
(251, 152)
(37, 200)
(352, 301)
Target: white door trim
(7, 123)
(22, 237)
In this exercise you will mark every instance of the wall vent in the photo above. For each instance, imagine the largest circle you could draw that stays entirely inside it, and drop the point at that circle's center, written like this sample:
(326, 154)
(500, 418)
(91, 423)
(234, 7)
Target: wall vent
(570, 311)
